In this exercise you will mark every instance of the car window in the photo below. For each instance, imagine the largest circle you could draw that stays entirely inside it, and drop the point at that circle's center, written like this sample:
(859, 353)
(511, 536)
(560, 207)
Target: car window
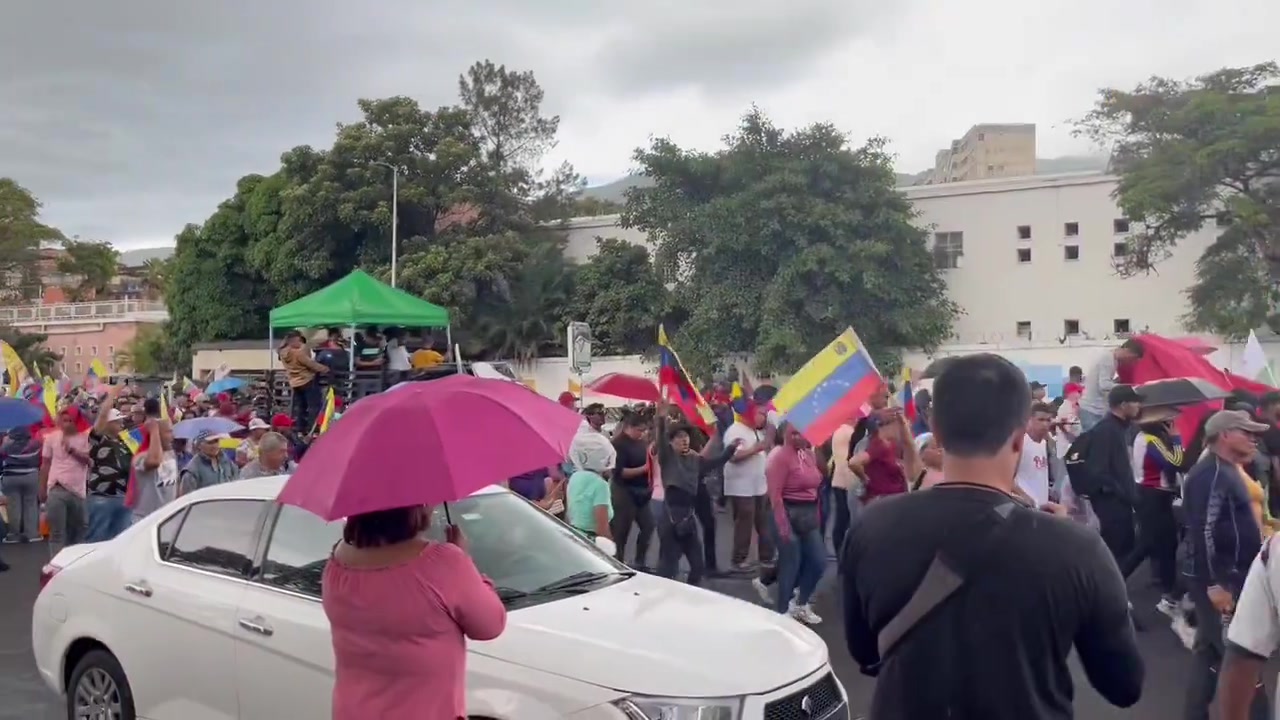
(299, 548)
(217, 536)
(167, 531)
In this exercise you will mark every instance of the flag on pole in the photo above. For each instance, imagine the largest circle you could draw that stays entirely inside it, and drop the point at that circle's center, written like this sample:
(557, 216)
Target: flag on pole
(906, 396)
(675, 384)
(830, 389)
(326, 417)
(12, 363)
(49, 395)
(1255, 363)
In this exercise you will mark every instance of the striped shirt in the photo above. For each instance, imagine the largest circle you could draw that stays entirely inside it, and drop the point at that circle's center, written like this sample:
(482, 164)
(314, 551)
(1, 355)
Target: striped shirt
(1156, 462)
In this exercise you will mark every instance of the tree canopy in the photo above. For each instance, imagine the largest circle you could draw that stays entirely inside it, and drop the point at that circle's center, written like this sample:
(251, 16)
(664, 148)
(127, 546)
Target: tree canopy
(21, 235)
(94, 263)
(780, 240)
(1195, 152)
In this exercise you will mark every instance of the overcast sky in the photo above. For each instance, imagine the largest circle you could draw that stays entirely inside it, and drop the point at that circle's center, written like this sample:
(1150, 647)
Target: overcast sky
(130, 118)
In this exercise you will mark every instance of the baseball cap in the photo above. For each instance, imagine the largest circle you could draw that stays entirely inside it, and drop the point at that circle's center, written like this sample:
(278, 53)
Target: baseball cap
(258, 424)
(209, 436)
(1037, 385)
(1121, 394)
(1225, 420)
(115, 415)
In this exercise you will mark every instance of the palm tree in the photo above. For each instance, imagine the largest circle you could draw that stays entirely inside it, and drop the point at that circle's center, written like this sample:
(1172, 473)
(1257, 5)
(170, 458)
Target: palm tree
(156, 276)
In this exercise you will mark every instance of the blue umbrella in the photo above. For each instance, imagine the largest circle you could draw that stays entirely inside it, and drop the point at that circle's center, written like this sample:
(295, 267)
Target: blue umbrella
(16, 413)
(188, 429)
(226, 384)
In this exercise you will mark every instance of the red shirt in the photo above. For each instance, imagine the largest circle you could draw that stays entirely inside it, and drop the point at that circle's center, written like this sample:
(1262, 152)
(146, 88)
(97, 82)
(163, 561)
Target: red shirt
(884, 473)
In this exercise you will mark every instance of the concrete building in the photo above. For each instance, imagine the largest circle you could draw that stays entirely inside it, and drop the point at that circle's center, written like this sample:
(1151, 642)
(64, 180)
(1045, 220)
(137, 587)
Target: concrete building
(987, 151)
(81, 332)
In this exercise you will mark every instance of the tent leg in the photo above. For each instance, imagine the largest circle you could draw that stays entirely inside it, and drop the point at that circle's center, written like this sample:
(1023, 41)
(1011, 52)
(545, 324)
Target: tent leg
(448, 338)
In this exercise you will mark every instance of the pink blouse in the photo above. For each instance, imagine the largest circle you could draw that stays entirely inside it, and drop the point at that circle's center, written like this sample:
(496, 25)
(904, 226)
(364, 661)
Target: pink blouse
(399, 634)
(792, 475)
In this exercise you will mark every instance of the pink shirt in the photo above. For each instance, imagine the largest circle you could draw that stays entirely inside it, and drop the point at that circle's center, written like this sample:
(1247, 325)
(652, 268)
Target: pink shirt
(793, 476)
(64, 469)
(399, 634)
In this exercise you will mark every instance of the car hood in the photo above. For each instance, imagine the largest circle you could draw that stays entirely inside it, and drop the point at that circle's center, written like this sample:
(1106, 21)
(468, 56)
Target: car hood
(652, 636)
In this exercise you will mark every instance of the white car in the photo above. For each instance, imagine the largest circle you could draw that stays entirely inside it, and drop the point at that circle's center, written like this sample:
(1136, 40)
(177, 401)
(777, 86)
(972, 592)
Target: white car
(210, 610)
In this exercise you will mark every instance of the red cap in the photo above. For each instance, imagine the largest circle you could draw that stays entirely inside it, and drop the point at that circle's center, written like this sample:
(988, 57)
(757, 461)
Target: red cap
(1072, 388)
(568, 399)
(280, 420)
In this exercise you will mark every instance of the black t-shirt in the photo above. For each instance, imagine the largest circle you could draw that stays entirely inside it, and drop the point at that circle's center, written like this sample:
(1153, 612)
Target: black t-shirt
(109, 460)
(367, 351)
(998, 647)
(631, 454)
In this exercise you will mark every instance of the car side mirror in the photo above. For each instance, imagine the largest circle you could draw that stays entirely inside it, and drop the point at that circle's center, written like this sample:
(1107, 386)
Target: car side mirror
(607, 546)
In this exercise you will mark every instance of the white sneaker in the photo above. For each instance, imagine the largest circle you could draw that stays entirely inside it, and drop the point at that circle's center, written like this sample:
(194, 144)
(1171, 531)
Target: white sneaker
(1184, 631)
(1168, 607)
(762, 590)
(804, 614)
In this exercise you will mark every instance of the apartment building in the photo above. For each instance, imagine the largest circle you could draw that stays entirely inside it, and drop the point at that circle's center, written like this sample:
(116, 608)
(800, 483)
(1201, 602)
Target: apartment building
(989, 150)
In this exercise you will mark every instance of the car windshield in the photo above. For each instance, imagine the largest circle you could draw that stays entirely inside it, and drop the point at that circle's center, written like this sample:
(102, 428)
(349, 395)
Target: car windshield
(520, 548)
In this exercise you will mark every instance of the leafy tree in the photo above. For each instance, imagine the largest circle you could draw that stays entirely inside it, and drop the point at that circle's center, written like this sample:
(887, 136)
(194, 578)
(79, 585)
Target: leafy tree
(156, 275)
(780, 240)
(620, 295)
(150, 352)
(1191, 152)
(94, 263)
(591, 207)
(21, 234)
(32, 350)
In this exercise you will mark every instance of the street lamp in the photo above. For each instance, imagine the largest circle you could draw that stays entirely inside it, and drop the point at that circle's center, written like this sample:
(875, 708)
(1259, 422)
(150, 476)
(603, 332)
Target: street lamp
(395, 213)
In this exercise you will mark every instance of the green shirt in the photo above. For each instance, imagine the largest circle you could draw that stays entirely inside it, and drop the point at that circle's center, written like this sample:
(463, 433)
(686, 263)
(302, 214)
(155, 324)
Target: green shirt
(586, 492)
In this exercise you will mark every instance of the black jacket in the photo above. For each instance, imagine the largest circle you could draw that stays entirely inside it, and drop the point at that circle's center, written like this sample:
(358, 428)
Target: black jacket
(1100, 462)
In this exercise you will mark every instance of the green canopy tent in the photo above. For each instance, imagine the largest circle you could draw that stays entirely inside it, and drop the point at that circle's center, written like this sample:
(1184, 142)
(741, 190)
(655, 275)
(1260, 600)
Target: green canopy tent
(358, 299)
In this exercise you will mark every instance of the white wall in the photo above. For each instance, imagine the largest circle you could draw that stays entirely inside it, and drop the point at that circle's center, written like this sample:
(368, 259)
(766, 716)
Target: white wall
(583, 232)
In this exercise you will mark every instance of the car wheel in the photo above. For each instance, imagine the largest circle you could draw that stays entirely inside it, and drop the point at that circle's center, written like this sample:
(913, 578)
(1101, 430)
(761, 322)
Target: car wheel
(98, 689)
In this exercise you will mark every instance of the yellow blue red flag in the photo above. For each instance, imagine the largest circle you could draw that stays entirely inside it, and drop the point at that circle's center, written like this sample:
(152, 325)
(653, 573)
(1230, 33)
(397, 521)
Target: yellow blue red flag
(326, 417)
(676, 385)
(830, 389)
(132, 439)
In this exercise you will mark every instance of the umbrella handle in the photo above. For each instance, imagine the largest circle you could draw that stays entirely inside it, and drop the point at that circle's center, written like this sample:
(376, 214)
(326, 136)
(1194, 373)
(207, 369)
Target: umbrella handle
(447, 519)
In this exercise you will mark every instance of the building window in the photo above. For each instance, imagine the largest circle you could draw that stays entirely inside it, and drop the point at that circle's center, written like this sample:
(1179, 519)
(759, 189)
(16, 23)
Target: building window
(982, 136)
(1120, 226)
(1024, 255)
(1024, 329)
(1024, 232)
(1120, 249)
(1070, 252)
(1120, 326)
(111, 350)
(948, 248)
(79, 367)
(111, 366)
(78, 353)
(1071, 229)
(1222, 220)
(62, 352)
(1070, 327)
(93, 350)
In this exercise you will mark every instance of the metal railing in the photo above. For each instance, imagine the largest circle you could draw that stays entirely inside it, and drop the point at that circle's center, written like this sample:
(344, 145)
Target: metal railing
(102, 310)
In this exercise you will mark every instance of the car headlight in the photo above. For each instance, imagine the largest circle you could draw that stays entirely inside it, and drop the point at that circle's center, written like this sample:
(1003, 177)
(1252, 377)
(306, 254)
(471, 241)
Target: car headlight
(638, 707)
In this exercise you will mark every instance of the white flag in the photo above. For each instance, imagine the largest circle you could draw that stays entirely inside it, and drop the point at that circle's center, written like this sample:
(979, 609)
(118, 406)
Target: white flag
(1255, 363)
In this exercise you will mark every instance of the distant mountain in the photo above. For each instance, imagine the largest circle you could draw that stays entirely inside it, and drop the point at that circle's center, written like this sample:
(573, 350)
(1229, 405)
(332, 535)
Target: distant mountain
(616, 190)
(134, 258)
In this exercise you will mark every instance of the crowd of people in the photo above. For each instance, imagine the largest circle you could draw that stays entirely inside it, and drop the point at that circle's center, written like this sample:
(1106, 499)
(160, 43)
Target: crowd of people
(109, 457)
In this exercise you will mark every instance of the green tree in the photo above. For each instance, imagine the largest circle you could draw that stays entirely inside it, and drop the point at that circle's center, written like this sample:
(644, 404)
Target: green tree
(21, 234)
(156, 275)
(1192, 152)
(618, 292)
(94, 263)
(150, 352)
(780, 240)
(32, 350)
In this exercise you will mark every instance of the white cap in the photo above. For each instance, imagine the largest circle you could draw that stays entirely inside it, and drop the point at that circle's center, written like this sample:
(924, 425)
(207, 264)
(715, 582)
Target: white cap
(258, 423)
(115, 416)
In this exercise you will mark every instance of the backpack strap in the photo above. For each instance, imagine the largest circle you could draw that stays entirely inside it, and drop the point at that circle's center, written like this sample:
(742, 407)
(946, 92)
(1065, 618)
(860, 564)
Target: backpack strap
(944, 577)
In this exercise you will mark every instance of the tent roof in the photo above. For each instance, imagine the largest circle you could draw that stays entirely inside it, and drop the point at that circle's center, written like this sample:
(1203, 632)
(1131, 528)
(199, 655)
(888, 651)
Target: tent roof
(359, 299)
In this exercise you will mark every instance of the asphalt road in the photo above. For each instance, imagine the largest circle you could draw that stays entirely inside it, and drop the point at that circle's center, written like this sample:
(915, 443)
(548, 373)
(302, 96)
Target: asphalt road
(24, 697)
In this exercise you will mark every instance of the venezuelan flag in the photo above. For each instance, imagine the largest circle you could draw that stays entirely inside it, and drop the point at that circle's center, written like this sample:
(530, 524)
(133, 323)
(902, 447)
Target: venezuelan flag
(326, 417)
(49, 395)
(132, 439)
(675, 384)
(830, 389)
(906, 397)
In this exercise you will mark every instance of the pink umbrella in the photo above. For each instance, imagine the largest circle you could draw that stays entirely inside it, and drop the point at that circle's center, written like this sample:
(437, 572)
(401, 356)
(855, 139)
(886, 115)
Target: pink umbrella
(623, 385)
(1196, 345)
(431, 442)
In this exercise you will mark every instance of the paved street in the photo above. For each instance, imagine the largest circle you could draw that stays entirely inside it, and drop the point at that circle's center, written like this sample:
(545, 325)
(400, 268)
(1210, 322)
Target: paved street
(24, 697)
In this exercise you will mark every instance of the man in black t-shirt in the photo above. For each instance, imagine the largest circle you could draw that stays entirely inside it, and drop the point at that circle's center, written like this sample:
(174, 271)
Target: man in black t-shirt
(108, 481)
(631, 491)
(965, 603)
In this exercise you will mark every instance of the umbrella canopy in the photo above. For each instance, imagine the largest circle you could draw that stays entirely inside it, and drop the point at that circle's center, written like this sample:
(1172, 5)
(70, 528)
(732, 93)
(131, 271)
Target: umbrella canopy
(1178, 391)
(226, 384)
(623, 385)
(429, 443)
(359, 299)
(1196, 345)
(17, 413)
(188, 429)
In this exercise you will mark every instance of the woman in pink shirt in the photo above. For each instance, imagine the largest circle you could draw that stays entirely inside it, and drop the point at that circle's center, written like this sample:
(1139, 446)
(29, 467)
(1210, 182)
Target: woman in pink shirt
(793, 478)
(401, 609)
(64, 470)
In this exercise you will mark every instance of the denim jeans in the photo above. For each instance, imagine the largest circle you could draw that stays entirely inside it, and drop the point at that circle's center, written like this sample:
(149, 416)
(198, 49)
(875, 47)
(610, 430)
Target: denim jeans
(24, 509)
(108, 517)
(801, 561)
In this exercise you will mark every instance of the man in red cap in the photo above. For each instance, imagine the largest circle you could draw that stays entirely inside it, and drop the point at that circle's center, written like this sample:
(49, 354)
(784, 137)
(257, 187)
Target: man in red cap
(283, 424)
(569, 400)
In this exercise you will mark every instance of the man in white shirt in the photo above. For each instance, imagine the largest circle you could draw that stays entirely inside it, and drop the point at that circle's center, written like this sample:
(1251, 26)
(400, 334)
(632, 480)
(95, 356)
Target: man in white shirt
(746, 489)
(1102, 377)
(1032, 477)
(1253, 636)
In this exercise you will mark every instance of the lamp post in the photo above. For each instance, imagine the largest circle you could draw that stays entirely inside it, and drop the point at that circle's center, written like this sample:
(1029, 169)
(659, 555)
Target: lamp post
(395, 213)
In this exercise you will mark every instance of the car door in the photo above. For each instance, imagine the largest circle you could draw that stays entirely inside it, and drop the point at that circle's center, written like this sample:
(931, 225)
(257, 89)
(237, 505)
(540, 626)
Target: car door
(284, 654)
(179, 610)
